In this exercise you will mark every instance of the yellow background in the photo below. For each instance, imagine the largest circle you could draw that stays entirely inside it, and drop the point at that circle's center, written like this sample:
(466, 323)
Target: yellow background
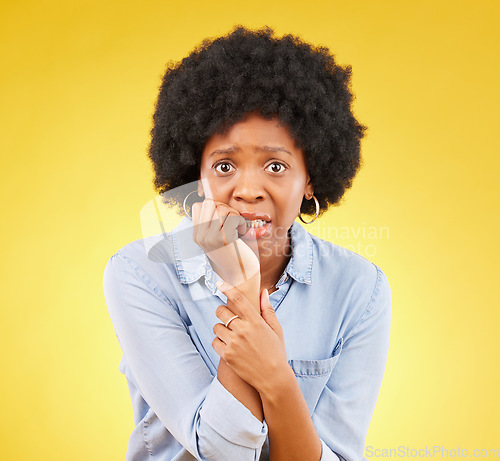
(78, 82)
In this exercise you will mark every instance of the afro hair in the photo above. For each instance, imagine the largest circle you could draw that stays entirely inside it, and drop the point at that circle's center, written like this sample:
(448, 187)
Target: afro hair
(244, 71)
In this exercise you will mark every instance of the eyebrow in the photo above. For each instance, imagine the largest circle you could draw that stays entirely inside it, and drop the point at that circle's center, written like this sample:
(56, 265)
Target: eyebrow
(231, 150)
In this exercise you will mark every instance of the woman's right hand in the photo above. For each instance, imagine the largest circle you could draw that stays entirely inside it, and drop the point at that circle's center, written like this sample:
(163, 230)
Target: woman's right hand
(215, 230)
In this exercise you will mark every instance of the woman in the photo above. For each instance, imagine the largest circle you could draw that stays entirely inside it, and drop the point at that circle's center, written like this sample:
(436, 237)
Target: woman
(244, 336)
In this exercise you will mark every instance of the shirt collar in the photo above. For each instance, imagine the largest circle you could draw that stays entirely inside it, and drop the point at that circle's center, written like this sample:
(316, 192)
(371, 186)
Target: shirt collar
(191, 262)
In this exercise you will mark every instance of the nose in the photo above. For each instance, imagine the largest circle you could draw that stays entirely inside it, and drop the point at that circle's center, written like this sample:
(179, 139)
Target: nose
(248, 188)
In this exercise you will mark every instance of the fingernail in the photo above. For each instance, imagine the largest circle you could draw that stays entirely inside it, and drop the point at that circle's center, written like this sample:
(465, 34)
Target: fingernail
(220, 283)
(266, 293)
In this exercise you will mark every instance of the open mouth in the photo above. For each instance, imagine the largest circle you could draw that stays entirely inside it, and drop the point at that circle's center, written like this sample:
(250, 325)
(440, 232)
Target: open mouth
(256, 229)
(255, 223)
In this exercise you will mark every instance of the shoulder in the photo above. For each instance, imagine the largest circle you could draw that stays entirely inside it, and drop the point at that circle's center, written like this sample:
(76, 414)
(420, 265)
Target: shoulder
(359, 283)
(340, 261)
(150, 259)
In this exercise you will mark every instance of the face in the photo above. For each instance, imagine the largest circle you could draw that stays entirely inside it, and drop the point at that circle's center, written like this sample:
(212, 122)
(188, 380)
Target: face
(256, 168)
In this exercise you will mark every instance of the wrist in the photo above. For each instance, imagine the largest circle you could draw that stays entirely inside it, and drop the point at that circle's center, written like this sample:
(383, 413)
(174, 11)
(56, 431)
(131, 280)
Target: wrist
(281, 382)
(251, 289)
(235, 264)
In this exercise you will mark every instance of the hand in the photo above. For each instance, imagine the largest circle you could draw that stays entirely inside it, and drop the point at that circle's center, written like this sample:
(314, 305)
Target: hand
(252, 345)
(215, 229)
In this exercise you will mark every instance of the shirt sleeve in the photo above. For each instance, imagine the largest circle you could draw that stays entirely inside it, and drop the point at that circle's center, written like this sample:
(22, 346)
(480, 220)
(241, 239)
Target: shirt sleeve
(173, 379)
(345, 407)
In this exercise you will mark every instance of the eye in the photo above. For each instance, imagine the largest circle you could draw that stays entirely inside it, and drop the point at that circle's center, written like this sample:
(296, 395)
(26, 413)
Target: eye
(225, 167)
(277, 167)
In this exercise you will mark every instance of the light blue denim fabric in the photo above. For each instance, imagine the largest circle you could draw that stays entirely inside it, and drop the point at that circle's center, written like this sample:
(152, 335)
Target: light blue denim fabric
(334, 307)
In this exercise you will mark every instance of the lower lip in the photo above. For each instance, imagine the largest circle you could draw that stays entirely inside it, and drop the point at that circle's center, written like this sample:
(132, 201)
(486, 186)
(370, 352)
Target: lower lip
(257, 232)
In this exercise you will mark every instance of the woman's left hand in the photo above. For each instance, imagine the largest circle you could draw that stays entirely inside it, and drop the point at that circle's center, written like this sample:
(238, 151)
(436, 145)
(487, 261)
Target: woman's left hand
(252, 345)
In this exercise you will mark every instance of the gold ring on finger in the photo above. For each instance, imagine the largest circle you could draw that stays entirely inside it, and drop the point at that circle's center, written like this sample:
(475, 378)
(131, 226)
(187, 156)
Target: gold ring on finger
(230, 320)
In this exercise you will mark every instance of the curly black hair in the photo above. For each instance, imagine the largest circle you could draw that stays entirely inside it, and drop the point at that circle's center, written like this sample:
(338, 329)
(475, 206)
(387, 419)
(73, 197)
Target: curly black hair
(224, 79)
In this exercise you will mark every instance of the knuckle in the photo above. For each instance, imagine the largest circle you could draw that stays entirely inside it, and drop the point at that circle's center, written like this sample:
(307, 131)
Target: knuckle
(239, 334)
(254, 322)
(228, 354)
(238, 297)
(220, 206)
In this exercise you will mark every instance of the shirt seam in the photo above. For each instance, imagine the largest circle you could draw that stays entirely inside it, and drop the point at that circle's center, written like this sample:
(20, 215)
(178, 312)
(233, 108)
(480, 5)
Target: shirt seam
(364, 316)
(307, 278)
(314, 375)
(147, 280)
(145, 425)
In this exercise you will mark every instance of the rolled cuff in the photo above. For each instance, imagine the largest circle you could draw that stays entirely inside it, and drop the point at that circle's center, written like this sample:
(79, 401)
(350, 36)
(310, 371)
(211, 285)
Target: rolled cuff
(327, 454)
(227, 416)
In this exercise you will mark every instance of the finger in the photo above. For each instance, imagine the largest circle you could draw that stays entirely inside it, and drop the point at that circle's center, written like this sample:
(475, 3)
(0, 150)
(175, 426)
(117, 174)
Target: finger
(219, 218)
(225, 211)
(232, 225)
(223, 333)
(241, 225)
(268, 313)
(241, 306)
(219, 347)
(224, 314)
(206, 216)
(207, 191)
(195, 212)
(220, 213)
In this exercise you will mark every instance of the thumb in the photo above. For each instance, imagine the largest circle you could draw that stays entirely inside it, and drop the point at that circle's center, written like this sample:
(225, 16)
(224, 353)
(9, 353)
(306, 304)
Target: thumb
(267, 311)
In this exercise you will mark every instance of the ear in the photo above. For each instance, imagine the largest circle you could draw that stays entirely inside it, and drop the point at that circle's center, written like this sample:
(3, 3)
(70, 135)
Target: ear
(309, 189)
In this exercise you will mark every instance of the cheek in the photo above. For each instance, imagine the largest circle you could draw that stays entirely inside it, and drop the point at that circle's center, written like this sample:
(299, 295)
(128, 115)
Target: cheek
(216, 189)
(209, 183)
(294, 197)
(290, 203)
(295, 190)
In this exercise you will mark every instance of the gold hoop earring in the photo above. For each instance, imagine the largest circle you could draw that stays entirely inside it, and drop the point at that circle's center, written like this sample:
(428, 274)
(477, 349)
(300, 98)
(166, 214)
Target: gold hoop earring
(184, 204)
(317, 211)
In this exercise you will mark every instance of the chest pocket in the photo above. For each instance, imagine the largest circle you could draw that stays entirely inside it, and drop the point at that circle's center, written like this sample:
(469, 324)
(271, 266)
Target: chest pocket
(312, 375)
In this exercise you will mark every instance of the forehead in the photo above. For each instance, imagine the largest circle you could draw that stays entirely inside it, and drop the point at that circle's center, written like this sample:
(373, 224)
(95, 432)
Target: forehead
(254, 132)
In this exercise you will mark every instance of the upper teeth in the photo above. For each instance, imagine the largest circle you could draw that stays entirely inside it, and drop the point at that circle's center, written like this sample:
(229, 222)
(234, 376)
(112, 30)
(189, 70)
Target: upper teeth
(255, 223)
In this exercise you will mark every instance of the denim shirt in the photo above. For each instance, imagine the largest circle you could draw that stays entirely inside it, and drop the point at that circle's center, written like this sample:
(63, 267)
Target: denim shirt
(334, 307)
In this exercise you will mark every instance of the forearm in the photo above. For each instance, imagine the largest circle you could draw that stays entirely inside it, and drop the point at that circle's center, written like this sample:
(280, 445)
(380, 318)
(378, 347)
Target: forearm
(239, 388)
(292, 435)
(213, 424)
